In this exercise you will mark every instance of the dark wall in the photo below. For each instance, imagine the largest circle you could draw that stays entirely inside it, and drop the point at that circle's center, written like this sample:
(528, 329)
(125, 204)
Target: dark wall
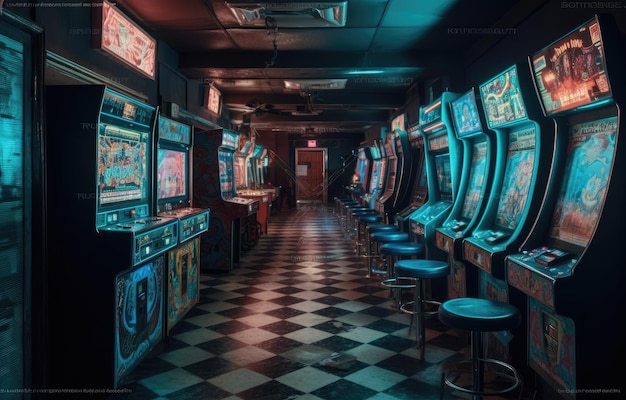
(69, 32)
(546, 25)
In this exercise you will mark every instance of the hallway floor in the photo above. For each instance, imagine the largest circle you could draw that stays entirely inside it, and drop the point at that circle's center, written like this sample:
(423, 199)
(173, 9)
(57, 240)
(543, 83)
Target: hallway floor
(260, 332)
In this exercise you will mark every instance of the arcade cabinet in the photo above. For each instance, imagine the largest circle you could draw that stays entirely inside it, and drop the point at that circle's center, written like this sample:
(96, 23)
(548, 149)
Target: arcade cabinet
(570, 265)
(107, 248)
(419, 188)
(248, 184)
(399, 171)
(173, 199)
(362, 172)
(524, 143)
(379, 174)
(214, 188)
(442, 158)
(478, 160)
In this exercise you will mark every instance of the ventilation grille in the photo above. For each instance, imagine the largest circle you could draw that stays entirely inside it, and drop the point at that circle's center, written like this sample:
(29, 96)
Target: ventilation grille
(319, 14)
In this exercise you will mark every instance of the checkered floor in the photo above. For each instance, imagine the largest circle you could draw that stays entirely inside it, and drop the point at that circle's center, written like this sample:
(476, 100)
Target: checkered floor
(260, 332)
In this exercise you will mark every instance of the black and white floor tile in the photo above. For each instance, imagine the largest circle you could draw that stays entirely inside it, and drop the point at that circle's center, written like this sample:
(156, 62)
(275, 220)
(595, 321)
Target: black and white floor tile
(301, 295)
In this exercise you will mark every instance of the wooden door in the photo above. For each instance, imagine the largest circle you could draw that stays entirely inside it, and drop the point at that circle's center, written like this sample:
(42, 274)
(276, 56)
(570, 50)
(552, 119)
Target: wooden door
(311, 175)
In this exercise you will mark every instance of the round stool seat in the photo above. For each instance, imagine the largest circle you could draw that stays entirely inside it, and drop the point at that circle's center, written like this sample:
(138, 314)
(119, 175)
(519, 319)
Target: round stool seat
(361, 209)
(382, 228)
(480, 315)
(354, 211)
(422, 269)
(402, 248)
(390, 236)
(370, 218)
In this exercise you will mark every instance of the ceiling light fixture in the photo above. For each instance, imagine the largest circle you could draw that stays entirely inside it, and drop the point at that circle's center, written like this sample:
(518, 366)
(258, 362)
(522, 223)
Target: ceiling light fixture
(316, 84)
(313, 14)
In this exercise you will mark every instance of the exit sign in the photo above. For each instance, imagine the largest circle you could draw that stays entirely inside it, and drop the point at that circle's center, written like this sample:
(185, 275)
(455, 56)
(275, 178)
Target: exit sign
(312, 143)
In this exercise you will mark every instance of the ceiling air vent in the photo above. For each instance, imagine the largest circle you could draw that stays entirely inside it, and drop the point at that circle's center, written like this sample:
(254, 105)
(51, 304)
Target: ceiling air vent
(316, 84)
(314, 14)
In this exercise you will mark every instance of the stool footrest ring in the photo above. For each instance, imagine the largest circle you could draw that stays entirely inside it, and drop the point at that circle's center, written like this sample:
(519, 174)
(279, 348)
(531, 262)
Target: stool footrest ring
(399, 283)
(405, 307)
(513, 376)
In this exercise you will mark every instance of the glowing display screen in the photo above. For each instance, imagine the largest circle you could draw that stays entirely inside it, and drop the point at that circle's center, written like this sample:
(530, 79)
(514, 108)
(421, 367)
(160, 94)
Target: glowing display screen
(465, 114)
(172, 167)
(502, 99)
(122, 165)
(571, 72)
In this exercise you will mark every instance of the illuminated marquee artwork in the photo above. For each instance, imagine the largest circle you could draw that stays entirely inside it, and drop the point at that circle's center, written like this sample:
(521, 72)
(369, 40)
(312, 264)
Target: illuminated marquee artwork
(125, 40)
(572, 71)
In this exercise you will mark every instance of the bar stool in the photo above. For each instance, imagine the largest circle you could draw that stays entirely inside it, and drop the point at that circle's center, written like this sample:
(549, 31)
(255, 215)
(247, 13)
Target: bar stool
(353, 224)
(415, 273)
(478, 316)
(343, 207)
(381, 238)
(363, 222)
(371, 250)
(393, 251)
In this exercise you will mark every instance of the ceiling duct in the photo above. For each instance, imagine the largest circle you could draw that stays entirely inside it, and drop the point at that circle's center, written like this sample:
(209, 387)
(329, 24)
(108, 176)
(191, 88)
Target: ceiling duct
(316, 84)
(314, 14)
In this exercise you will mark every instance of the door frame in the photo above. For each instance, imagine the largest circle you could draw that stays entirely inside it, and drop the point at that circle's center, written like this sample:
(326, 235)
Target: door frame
(324, 151)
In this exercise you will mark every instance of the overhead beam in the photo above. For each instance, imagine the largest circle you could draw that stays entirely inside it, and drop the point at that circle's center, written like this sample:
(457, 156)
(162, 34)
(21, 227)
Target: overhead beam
(317, 59)
(380, 100)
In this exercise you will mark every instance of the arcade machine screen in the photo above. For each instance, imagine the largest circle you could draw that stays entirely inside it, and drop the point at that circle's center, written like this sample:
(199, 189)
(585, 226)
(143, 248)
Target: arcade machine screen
(517, 178)
(362, 171)
(502, 99)
(398, 124)
(122, 166)
(226, 167)
(382, 173)
(391, 163)
(572, 71)
(465, 115)
(444, 177)
(172, 167)
(476, 179)
(240, 172)
(375, 168)
(590, 151)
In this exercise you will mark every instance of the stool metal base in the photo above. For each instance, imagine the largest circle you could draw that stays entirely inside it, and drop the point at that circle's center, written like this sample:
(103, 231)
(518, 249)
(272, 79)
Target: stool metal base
(452, 377)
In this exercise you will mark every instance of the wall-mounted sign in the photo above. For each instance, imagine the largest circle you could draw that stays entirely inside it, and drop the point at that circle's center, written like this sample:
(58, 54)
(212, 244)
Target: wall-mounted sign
(213, 100)
(121, 38)
(312, 143)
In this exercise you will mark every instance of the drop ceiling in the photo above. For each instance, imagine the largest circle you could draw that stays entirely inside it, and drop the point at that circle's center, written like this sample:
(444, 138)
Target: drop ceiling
(382, 51)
